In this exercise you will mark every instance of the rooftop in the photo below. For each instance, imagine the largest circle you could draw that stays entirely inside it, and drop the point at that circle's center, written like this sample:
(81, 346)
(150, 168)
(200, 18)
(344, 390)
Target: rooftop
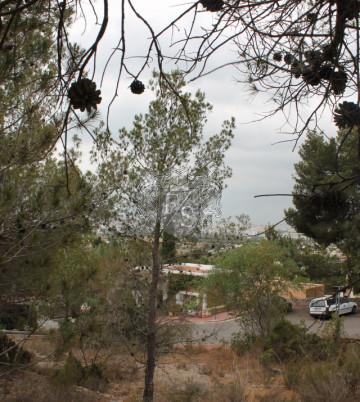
(188, 269)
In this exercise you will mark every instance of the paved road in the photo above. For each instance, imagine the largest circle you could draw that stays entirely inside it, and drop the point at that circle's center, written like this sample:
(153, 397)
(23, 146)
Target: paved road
(217, 332)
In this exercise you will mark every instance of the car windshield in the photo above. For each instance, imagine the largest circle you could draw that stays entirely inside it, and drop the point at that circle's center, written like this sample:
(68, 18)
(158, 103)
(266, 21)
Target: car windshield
(318, 303)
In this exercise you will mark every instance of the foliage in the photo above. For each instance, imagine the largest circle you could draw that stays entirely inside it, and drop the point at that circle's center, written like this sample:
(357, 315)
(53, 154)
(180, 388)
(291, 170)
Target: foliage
(350, 365)
(21, 316)
(336, 378)
(11, 353)
(167, 170)
(289, 341)
(320, 367)
(74, 373)
(182, 282)
(314, 262)
(306, 47)
(71, 282)
(242, 343)
(38, 215)
(326, 209)
(160, 175)
(125, 314)
(326, 212)
(168, 247)
(44, 202)
(249, 280)
(231, 229)
(117, 312)
(30, 80)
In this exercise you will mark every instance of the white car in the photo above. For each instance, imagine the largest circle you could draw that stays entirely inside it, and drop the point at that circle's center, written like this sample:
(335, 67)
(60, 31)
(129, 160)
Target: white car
(325, 307)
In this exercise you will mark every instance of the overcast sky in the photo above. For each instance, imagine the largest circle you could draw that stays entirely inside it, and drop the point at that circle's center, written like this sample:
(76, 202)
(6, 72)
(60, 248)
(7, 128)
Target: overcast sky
(258, 166)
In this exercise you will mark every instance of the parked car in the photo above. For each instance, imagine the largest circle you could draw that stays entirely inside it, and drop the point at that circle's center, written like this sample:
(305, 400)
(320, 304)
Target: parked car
(325, 307)
(283, 304)
(287, 304)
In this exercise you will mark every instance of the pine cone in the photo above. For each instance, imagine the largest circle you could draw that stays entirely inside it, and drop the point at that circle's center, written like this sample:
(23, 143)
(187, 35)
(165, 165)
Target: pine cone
(83, 95)
(338, 82)
(347, 115)
(311, 77)
(313, 57)
(312, 17)
(212, 5)
(296, 70)
(288, 58)
(277, 56)
(329, 53)
(326, 72)
(137, 87)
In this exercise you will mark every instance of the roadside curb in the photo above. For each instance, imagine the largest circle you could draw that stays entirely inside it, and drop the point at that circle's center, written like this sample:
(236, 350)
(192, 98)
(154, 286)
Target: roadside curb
(205, 320)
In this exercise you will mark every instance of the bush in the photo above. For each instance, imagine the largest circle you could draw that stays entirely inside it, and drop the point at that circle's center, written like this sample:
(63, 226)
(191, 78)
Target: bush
(350, 366)
(234, 391)
(335, 379)
(289, 341)
(241, 343)
(292, 373)
(74, 373)
(187, 391)
(19, 316)
(10, 353)
(323, 382)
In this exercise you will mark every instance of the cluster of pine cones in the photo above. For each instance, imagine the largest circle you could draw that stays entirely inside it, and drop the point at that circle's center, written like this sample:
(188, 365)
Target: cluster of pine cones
(347, 115)
(212, 5)
(83, 95)
(317, 67)
(348, 9)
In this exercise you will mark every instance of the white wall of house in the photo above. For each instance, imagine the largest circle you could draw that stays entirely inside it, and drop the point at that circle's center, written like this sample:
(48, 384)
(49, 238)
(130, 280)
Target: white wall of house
(180, 296)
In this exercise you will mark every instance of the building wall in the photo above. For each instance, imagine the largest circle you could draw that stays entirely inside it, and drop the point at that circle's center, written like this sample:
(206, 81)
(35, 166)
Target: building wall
(305, 291)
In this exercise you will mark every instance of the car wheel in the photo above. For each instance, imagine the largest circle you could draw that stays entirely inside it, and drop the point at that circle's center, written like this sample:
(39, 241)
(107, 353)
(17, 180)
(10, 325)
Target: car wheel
(353, 310)
(314, 316)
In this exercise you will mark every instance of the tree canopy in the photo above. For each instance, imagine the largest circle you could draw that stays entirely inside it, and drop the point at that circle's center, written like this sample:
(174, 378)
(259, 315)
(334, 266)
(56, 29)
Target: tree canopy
(326, 193)
(160, 177)
(249, 279)
(163, 169)
(292, 50)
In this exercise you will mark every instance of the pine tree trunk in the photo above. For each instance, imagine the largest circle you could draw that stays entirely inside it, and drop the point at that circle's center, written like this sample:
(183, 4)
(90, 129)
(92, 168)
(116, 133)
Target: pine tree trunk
(151, 336)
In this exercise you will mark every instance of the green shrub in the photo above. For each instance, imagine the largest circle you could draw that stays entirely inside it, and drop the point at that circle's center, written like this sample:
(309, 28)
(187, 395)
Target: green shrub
(291, 376)
(322, 382)
(289, 341)
(335, 379)
(333, 333)
(74, 373)
(241, 343)
(233, 391)
(268, 357)
(10, 353)
(350, 366)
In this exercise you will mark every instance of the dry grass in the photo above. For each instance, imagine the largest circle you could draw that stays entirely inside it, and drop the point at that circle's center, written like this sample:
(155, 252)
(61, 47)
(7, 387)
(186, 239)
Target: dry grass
(190, 374)
(29, 387)
(218, 374)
